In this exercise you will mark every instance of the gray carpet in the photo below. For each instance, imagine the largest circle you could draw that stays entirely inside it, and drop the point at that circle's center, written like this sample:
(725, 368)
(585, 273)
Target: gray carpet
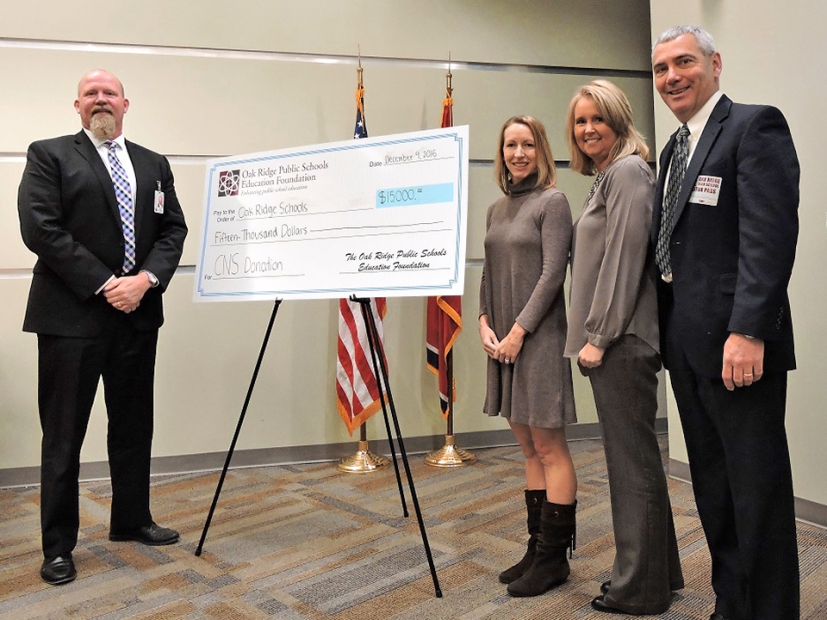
(308, 542)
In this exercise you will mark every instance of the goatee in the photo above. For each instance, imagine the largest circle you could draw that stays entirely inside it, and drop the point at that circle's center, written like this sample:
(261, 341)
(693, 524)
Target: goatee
(102, 125)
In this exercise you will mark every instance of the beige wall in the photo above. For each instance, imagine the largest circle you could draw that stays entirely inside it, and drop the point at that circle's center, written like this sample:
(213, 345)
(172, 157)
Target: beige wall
(207, 78)
(773, 53)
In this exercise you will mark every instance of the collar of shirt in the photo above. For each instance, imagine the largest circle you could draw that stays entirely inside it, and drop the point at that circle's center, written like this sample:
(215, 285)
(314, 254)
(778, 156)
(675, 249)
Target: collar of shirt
(120, 141)
(696, 126)
(697, 123)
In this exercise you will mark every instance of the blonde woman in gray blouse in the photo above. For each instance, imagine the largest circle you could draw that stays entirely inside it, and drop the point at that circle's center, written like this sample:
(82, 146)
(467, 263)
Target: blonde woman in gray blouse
(613, 335)
(522, 324)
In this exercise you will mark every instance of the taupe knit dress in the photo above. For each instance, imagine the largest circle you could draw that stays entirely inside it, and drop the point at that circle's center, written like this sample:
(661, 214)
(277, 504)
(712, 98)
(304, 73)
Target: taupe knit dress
(527, 241)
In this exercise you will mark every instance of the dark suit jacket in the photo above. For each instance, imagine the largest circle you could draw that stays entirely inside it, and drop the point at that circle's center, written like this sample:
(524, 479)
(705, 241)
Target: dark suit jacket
(69, 218)
(731, 263)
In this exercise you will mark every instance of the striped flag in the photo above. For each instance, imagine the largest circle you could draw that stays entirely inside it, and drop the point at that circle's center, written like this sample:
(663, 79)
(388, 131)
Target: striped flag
(444, 318)
(357, 388)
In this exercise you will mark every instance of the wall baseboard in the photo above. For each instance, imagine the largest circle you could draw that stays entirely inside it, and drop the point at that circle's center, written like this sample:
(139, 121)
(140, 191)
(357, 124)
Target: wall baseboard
(805, 510)
(262, 457)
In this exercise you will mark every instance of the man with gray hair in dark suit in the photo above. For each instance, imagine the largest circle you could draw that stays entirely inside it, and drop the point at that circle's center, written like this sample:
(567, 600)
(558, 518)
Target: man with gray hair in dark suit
(725, 231)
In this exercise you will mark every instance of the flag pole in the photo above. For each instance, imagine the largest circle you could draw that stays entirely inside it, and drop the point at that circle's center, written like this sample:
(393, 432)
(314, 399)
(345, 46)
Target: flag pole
(450, 455)
(363, 461)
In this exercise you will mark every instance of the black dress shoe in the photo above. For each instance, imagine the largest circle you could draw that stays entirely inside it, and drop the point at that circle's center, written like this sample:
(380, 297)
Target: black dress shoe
(599, 604)
(604, 588)
(58, 570)
(153, 535)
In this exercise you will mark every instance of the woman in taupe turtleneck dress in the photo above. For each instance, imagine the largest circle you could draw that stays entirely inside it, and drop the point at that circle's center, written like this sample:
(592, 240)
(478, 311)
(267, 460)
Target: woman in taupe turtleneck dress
(613, 335)
(522, 324)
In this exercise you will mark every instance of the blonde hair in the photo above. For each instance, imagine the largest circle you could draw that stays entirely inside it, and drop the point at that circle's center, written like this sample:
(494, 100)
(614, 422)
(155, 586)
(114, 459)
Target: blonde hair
(613, 105)
(546, 171)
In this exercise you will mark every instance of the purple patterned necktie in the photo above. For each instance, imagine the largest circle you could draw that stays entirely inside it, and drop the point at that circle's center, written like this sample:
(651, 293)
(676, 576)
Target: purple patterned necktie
(123, 191)
(667, 221)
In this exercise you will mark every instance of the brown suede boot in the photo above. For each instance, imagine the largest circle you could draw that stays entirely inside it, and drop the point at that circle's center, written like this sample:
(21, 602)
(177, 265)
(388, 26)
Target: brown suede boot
(550, 567)
(534, 506)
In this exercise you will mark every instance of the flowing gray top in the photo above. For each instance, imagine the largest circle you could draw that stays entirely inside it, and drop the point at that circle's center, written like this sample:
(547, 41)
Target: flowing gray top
(527, 241)
(612, 286)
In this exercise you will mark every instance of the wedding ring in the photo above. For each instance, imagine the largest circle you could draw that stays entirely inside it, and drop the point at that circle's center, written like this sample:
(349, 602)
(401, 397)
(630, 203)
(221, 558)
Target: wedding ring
(507, 360)
(747, 374)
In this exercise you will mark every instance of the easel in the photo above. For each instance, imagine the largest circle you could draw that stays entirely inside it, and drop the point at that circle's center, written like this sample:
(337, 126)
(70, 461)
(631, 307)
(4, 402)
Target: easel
(378, 358)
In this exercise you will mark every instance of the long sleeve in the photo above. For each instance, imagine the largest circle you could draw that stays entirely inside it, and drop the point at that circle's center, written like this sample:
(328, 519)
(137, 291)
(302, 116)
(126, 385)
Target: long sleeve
(43, 224)
(483, 290)
(768, 176)
(555, 223)
(168, 241)
(627, 193)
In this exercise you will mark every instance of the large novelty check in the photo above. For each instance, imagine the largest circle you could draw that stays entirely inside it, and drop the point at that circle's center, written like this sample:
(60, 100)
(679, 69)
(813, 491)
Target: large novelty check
(376, 217)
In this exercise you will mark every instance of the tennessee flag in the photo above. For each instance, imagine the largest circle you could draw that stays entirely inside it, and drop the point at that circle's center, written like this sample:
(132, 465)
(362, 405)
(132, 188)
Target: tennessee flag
(357, 388)
(444, 319)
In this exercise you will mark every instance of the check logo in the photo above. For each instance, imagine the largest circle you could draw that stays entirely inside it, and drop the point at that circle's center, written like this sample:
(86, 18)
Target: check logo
(228, 183)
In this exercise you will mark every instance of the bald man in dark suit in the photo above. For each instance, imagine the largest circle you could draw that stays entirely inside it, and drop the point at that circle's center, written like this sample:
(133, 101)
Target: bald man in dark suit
(102, 216)
(725, 248)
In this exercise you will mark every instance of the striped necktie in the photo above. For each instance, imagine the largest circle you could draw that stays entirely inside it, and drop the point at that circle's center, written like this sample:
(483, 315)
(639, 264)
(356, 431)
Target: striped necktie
(670, 203)
(123, 192)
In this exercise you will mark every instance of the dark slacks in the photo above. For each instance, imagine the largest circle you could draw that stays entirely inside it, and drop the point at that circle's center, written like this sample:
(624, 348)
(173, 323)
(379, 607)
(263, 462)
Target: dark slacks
(742, 480)
(69, 370)
(646, 567)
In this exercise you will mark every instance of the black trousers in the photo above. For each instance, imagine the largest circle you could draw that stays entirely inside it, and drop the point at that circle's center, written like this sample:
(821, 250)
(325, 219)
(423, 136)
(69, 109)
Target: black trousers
(742, 480)
(69, 370)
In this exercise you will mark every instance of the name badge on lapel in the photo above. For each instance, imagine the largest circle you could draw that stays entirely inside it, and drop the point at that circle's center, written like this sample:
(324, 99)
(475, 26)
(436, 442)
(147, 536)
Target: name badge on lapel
(706, 191)
(159, 199)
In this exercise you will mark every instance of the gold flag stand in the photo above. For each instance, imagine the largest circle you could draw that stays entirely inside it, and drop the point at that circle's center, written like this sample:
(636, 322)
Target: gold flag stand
(364, 461)
(449, 455)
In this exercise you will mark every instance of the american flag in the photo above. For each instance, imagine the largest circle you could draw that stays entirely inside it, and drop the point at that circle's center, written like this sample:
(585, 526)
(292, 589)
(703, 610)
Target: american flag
(361, 130)
(357, 388)
(444, 317)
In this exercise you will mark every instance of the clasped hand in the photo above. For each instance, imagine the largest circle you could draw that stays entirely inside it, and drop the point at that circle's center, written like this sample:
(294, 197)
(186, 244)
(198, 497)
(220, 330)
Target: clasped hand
(126, 293)
(506, 350)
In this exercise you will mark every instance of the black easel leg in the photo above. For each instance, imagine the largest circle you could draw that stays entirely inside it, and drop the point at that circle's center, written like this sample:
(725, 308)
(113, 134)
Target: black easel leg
(364, 305)
(238, 426)
(376, 343)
